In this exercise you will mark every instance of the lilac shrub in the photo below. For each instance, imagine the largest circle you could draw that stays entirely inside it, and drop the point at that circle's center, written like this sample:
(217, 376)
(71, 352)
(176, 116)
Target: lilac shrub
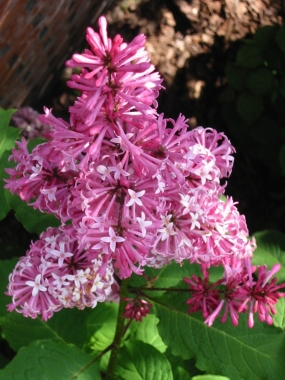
(132, 189)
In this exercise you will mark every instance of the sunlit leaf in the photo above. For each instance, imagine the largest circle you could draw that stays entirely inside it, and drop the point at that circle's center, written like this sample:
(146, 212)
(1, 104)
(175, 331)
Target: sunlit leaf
(101, 325)
(8, 135)
(33, 220)
(138, 360)
(147, 332)
(209, 377)
(270, 250)
(279, 317)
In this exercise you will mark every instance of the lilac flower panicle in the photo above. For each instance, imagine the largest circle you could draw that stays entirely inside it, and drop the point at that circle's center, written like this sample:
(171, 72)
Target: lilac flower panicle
(131, 189)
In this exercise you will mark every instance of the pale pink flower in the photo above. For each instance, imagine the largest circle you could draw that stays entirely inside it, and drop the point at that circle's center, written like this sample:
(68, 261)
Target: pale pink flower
(135, 197)
(143, 223)
(112, 239)
(61, 253)
(36, 285)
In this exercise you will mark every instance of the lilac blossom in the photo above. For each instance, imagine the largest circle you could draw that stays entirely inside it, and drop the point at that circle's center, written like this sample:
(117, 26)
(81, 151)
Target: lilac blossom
(131, 188)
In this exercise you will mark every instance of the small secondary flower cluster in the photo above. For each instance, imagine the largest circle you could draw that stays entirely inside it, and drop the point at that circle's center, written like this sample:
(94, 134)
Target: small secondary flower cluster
(237, 292)
(135, 189)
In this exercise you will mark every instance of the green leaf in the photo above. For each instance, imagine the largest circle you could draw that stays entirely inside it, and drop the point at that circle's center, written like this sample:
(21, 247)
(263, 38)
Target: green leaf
(33, 220)
(249, 56)
(280, 38)
(67, 325)
(235, 76)
(236, 352)
(8, 135)
(209, 377)
(3, 361)
(6, 267)
(270, 250)
(147, 332)
(265, 35)
(101, 325)
(249, 107)
(168, 276)
(34, 142)
(48, 360)
(273, 58)
(182, 369)
(4, 164)
(141, 361)
(9, 141)
(261, 81)
(279, 317)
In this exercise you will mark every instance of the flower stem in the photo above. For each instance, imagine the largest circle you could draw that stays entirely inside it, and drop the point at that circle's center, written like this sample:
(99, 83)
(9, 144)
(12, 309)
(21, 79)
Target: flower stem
(120, 330)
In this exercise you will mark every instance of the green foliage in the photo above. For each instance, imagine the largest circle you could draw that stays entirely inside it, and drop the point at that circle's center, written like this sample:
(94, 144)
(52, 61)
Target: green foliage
(33, 220)
(169, 343)
(270, 250)
(101, 326)
(279, 317)
(249, 55)
(139, 360)
(236, 352)
(254, 110)
(182, 369)
(64, 327)
(49, 360)
(147, 332)
(210, 377)
(249, 106)
(8, 135)
(36, 221)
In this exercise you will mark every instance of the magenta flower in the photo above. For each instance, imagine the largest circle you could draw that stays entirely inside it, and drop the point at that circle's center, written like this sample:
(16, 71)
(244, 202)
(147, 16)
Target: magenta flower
(131, 189)
(261, 295)
(204, 296)
(236, 293)
(137, 309)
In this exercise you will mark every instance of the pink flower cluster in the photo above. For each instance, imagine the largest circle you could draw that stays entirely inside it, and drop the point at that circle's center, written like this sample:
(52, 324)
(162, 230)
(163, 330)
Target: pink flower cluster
(57, 273)
(243, 288)
(136, 189)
